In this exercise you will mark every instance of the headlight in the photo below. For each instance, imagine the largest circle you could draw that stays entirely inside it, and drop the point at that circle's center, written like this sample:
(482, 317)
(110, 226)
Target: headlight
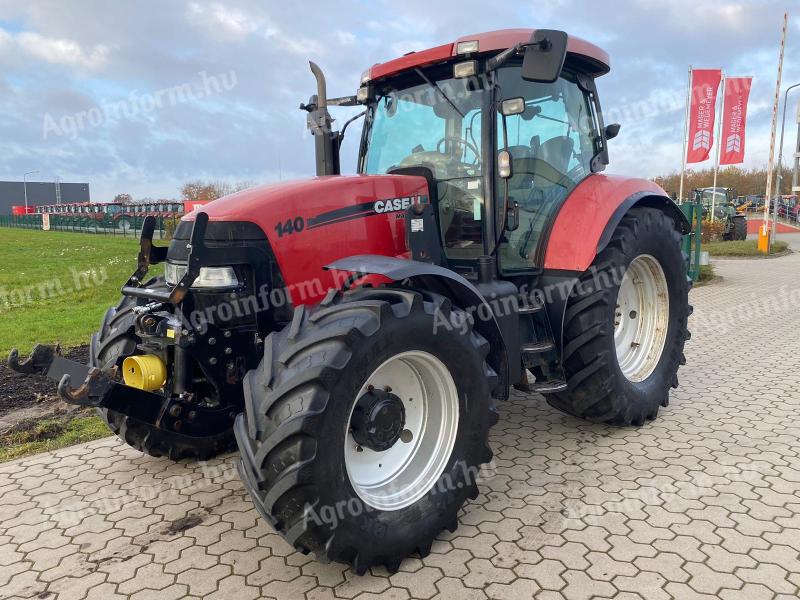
(209, 278)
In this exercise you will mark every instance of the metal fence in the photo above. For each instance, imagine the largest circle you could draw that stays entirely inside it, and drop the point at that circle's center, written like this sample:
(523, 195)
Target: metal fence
(123, 227)
(691, 241)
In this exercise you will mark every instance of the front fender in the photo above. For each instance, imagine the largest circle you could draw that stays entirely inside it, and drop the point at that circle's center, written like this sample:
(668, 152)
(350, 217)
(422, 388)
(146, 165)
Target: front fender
(440, 280)
(587, 219)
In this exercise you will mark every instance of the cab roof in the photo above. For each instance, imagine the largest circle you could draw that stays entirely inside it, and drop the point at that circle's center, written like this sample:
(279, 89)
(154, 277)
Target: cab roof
(592, 58)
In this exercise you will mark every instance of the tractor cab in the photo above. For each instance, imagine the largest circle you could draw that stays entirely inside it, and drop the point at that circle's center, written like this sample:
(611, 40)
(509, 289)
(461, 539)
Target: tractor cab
(547, 134)
(720, 199)
(503, 146)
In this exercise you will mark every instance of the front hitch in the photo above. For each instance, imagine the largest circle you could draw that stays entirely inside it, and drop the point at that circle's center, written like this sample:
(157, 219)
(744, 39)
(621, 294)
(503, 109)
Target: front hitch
(37, 363)
(102, 389)
(90, 393)
(47, 361)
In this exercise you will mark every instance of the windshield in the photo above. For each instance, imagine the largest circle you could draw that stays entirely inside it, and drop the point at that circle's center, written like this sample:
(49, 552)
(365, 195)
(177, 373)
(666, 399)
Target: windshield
(718, 195)
(436, 124)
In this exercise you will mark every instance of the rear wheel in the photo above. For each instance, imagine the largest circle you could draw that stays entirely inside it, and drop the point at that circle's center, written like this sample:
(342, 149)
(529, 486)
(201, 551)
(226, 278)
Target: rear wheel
(365, 426)
(116, 340)
(626, 324)
(740, 228)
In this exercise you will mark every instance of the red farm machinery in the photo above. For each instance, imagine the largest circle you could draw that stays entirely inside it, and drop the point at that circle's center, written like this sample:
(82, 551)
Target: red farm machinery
(354, 334)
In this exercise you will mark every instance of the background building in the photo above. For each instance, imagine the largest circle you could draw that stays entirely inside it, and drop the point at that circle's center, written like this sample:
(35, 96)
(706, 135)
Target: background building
(12, 193)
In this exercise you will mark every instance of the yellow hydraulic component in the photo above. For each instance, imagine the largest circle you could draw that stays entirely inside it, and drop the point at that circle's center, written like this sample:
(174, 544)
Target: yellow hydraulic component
(146, 372)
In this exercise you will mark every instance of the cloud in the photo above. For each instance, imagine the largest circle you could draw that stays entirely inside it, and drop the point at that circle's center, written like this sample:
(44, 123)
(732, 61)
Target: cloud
(64, 58)
(226, 23)
(345, 38)
(58, 51)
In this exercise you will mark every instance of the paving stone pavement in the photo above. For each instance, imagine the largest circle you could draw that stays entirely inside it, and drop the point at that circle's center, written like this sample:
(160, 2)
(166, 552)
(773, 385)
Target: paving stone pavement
(702, 503)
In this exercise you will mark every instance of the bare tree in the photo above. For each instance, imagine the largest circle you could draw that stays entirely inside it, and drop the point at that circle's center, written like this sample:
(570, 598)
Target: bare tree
(123, 198)
(207, 191)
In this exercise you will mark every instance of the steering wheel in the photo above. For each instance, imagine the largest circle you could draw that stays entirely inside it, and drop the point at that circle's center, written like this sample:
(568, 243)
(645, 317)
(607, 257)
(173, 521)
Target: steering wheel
(459, 142)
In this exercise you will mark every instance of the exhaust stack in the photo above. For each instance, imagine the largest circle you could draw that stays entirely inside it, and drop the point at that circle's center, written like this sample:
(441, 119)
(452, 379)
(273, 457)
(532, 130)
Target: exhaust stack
(320, 124)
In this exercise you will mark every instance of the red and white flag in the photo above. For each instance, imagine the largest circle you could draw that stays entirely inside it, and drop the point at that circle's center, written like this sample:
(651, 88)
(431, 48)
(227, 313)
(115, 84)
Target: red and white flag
(734, 118)
(705, 84)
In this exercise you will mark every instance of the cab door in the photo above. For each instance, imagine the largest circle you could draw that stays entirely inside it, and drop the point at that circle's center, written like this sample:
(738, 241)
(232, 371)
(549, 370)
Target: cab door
(553, 145)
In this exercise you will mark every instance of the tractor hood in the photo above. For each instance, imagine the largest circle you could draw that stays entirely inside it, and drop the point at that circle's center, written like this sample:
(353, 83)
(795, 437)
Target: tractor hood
(312, 223)
(316, 199)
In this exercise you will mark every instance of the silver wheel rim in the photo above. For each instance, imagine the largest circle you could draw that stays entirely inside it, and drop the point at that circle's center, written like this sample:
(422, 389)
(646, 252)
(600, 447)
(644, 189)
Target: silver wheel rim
(401, 475)
(641, 319)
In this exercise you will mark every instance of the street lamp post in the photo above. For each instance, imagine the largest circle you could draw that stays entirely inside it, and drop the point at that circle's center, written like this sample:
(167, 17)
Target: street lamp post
(25, 187)
(780, 163)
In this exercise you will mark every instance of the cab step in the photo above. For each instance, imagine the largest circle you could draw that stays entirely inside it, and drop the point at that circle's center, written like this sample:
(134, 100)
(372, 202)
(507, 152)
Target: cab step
(531, 309)
(538, 347)
(553, 386)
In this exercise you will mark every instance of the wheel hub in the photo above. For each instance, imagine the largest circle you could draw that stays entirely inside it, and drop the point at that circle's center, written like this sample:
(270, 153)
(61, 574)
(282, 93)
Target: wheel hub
(641, 318)
(378, 420)
(404, 470)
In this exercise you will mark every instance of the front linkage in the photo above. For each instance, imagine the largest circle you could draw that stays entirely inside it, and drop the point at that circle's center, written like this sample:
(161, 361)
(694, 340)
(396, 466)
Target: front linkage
(103, 388)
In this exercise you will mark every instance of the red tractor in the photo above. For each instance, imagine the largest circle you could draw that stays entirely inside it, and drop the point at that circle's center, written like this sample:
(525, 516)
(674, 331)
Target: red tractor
(352, 333)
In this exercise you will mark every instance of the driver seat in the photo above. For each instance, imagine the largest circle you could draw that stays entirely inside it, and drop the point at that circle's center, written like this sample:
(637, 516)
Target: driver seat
(558, 152)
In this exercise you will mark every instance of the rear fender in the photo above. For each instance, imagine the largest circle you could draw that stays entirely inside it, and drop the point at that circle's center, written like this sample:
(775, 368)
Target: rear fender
(644, 199)
(444, 281)
(590, 214)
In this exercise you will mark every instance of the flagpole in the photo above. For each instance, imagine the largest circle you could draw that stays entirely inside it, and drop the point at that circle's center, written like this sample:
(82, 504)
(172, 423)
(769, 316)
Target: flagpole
(719, 145)
(773, 134)
(685, 133)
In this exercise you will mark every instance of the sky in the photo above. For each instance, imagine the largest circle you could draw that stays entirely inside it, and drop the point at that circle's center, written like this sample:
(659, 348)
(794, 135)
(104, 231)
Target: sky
(140, 97)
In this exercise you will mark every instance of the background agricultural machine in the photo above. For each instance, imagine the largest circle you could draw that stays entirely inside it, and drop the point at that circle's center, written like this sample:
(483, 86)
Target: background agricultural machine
(106, 217)
(354, 332)
(721, 204)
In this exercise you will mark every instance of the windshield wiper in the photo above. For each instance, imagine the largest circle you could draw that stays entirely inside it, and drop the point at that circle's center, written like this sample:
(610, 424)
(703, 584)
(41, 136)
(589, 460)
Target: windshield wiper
(438, 89)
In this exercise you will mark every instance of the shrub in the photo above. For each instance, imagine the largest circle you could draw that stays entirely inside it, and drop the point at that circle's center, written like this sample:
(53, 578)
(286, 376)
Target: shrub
(169, 227)
(712, 231)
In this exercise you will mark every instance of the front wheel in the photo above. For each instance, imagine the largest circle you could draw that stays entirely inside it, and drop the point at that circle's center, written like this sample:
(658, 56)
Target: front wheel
(626, 324)
(365, 425)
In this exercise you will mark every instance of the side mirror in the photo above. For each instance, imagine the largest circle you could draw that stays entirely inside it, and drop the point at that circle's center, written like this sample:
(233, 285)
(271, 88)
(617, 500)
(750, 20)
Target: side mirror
(544, 57)
(612, 131)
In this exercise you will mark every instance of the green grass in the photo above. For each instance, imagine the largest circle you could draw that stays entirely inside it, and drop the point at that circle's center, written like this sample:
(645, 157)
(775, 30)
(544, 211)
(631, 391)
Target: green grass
(706, 273)
(56, 286)
(742, 248)
(50, 434)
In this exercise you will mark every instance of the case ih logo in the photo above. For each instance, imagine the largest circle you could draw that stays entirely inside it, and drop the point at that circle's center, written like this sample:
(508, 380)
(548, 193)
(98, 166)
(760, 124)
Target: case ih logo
(366, 209)
(733, 143)
(395, 204)
(702, 139)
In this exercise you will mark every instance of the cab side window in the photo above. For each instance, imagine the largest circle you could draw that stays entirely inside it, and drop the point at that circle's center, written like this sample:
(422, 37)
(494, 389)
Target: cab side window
(552, 144)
